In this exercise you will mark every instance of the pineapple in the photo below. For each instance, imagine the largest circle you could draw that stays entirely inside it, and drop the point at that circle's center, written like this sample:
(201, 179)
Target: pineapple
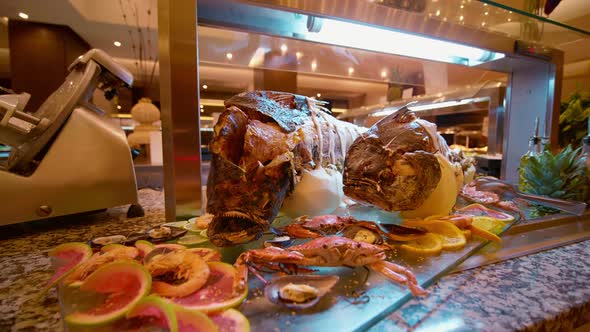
(561, 176)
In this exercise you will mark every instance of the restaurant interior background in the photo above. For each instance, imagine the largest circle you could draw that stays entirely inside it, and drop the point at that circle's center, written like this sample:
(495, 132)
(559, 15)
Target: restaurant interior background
(39, 39)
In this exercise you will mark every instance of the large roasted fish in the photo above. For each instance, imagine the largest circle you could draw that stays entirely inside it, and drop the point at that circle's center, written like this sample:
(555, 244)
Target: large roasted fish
(399, 163)
(262, 144)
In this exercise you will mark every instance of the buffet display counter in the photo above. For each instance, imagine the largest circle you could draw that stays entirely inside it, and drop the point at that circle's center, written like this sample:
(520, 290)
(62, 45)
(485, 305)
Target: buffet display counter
(538, 292)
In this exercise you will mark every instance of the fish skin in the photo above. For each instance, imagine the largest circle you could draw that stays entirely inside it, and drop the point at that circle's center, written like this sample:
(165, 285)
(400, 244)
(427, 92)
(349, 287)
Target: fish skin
(262, 143)
(393, 165)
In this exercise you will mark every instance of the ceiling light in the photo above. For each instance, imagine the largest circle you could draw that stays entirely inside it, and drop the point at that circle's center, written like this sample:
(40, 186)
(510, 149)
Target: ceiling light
(23, 16)
(354, 35)
(117, 43)
(486, 13)
(461, 18)
(483, 23)
(205, 86)
(384, 73)
(350, 70)
(319, 95)
(314, 65)
(118, 107)
(299, 55)
(509, 19)
(229, 56)
(438, 12)
(443, 104)
(284, 48)
(461, 6)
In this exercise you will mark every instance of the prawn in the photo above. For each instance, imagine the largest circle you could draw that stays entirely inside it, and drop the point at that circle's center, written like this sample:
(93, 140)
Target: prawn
(182, 266)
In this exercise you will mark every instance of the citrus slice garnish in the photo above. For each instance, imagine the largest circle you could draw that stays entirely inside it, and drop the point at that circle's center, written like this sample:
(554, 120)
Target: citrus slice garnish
(452, 237)
(191, 227)
(476, 231)
(427, 244)
(489, 224)
(192, 239)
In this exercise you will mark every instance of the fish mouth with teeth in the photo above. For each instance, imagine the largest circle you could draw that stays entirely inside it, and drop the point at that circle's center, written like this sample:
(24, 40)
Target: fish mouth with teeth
(234, 227)
(262, 143)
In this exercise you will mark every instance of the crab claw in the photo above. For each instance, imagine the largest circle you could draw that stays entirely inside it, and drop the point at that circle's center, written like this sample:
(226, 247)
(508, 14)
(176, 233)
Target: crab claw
(398, 274)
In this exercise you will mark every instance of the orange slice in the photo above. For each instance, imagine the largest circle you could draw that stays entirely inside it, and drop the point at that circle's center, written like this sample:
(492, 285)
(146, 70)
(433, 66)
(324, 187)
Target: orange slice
(452, 237)
(427, 244)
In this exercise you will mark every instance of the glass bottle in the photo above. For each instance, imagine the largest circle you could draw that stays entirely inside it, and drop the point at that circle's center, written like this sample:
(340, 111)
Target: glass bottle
(536, 146)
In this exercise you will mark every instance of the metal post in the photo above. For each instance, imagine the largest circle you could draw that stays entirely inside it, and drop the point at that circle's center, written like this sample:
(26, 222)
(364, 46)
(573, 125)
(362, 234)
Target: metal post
(532, 91)
(179, 96)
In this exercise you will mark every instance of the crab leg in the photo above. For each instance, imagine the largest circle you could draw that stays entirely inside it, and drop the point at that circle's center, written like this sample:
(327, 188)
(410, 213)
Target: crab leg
(267, 255)
(398, 274)
(300, 232)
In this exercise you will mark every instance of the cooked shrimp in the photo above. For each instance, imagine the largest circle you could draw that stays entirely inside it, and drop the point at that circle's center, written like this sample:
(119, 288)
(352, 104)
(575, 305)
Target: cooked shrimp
(99, 259)
(178, 266)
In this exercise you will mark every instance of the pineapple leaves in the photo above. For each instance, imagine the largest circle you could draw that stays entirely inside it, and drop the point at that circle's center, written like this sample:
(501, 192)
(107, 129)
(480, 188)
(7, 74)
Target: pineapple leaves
(562, 175)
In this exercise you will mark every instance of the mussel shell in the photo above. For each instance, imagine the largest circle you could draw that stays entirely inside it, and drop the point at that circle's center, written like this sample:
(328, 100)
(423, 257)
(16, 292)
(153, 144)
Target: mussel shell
(104, 240)
(350, 232)
(323, 283)
(135, 236)
(175, 232)
(279, 241)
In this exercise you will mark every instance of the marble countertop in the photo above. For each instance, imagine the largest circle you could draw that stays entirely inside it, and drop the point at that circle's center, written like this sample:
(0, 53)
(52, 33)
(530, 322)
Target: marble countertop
(547, 291)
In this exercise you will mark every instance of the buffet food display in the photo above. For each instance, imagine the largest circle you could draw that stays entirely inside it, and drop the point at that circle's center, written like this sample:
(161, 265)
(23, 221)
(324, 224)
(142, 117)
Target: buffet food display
(308, 218)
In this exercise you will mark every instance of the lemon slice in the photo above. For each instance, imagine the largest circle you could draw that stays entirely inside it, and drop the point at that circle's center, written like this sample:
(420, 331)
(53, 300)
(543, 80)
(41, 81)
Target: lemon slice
(427, 244)
(192, 227)
(203, 233)
(179, 224)
(489, 224)
(192, 239)
(452, 237)
(476, 231)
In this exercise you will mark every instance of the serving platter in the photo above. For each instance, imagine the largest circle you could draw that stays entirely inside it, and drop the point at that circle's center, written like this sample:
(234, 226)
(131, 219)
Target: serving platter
(359, 300)
(362, 297)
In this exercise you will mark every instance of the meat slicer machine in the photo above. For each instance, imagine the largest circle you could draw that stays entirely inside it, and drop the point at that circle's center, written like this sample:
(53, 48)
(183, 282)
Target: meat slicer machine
(64, 157)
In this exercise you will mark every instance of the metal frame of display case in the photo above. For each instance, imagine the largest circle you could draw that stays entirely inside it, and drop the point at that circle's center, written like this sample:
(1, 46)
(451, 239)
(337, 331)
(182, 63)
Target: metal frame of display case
(534, 71)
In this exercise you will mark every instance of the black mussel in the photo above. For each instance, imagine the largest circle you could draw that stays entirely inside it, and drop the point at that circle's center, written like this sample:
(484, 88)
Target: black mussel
(362, 234)
(279, 241)
(299, 292)
(135, 236)
(104, 240)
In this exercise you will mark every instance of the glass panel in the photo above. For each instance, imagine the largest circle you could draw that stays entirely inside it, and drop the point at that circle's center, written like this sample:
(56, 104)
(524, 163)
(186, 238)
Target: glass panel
(232, 48)
(360, 299)
(505, 17)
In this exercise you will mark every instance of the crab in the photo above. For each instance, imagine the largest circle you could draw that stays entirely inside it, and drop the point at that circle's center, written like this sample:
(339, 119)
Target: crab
(324, 251)
(319, 226)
